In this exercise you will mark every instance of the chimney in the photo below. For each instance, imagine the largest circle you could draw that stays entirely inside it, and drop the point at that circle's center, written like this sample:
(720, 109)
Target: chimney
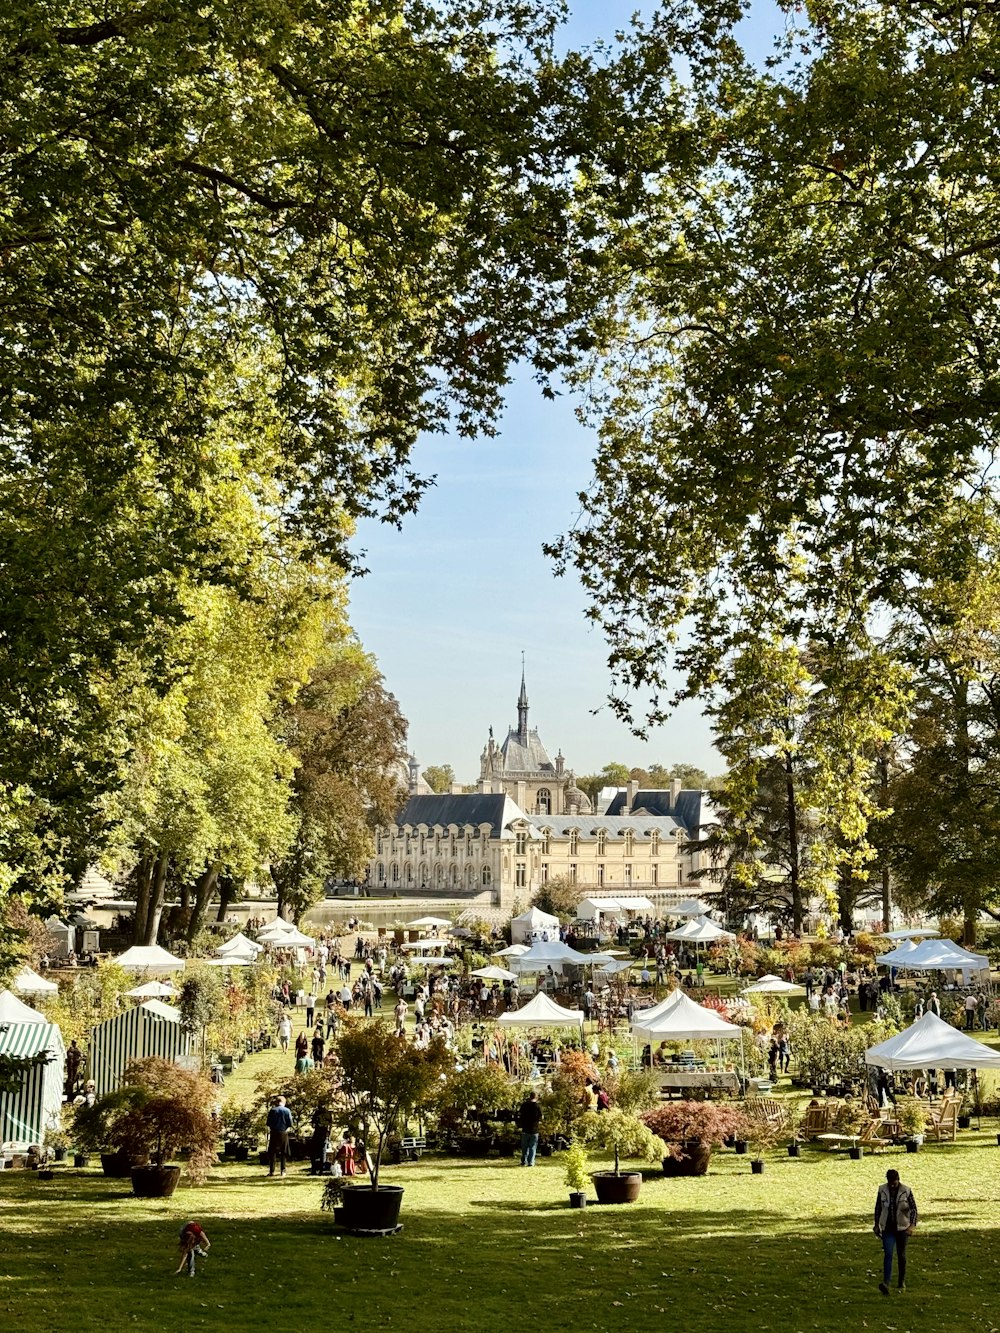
(675, 790)
(633, 792)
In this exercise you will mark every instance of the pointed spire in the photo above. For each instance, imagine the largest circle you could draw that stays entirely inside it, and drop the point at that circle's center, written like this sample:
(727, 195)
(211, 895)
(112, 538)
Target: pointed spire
(522, 709)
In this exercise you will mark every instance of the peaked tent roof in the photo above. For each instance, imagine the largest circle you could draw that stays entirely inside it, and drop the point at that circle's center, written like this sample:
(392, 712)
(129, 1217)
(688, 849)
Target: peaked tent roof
(542, 1012)
(937, 955)
(547, 953)
(931, 1043)
(161, 1010)
(684, 1020)
(699, 930)
(917, 933)
(151, 956)
(152, 990)
(239, 944)
(28, 982)
(512, 951)
(534, 916)
(13, 1010)
(427, 922)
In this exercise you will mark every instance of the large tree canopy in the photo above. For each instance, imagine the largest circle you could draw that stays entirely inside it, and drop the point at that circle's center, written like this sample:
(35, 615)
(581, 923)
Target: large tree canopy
(796, 368)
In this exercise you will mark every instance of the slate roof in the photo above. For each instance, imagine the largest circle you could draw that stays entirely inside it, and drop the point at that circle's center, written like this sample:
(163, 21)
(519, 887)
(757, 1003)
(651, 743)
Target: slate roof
(692, 810)
(614, 825)
(531, 757)
(475, 808)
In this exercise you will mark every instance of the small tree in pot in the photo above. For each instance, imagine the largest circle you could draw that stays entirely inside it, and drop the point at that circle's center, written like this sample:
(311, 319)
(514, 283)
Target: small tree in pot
(912, 1117)
(577, 1176)
(690, 1130)
(626, 1136)
(382, 1080)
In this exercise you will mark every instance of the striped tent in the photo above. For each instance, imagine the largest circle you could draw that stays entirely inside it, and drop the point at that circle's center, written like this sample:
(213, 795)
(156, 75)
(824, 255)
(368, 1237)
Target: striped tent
(26, 1114)
(149, 1029)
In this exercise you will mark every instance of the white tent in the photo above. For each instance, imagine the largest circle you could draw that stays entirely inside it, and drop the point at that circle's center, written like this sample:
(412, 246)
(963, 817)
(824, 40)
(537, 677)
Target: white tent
(241, 945)
(278, 923)
(917, 933)
(294, 939)
(699, 930)
(28, 982)
(414, 946)
(683, 1021)
(428, 923)
(897, 957)
(533, 922)
(13, 1010)
(512, 951)
(689, 907)
(619, 965)
(647, 1016)
(541, 1012)
(936, 956)
(591, 909)
(152, 990)
(231, 960)
(147, 1029)
(544, 954)
(773, 986)
(36, 1104)
(149, 958)
(494, 974)
(931, 1043)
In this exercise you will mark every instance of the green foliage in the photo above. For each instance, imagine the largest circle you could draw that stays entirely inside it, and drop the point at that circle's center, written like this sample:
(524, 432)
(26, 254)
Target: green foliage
(577, 1167)
(632, 1090)
(200, 998)
(559, 897)
(623, 1134)
(439, 777)
(241, 1124)
(477, 1088)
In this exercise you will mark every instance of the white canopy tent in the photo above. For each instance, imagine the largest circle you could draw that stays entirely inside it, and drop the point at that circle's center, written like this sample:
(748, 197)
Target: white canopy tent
(13, 1010)
(683, 1020)
(152, 990)
(151, 1028)
(512, 951)
(917, 933)
(35, 1105)
(931, 1043)
(541, 1012)
(773, 986)
(149, 958)
(699, 930)
(936, 956)
(428, 923)
(619, 965)
(240, 944)
(231, 960)
(689, 907)
(544, 954)
(592, 909)
(494, 974)
(294, 939)
(533, 922)
(897, 957)
(28, 982)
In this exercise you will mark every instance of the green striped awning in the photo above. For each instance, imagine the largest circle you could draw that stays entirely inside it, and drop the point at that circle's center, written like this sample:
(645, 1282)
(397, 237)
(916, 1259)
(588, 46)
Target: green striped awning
(26, 1039)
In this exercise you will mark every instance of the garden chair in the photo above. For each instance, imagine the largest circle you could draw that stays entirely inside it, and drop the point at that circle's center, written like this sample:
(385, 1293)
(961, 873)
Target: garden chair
(942, 1121)
(817, 1120)
(766, 1110)
(875, 1136)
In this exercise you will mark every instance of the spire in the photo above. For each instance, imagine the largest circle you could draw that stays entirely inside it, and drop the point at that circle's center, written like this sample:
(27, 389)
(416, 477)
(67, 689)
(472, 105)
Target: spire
(522, 709)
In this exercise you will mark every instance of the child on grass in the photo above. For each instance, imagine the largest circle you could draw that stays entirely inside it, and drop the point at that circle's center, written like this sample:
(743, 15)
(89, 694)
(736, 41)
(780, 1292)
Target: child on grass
(193, 1242)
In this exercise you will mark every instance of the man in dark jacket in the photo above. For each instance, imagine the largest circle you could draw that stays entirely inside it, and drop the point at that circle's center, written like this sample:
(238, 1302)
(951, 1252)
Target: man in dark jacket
(279, 1122)
(895, 1221)
(529, 1117)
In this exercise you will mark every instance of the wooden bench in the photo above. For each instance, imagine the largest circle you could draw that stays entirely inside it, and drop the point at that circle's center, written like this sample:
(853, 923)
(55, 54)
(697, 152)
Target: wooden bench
(767, 1111)
(410, 1149)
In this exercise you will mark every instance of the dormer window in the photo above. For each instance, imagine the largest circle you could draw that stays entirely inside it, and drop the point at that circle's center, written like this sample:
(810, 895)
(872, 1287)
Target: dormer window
(574, 841)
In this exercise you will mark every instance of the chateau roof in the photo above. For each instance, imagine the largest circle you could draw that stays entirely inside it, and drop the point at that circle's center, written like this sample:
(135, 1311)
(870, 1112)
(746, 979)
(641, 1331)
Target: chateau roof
(529, 756)
(474, 808)
(692, 809)
(614, 825)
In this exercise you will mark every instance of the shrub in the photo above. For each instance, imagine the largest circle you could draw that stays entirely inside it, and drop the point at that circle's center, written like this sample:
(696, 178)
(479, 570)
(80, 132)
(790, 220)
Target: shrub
(625, 1135)
(577, 1163)
(708, 1123)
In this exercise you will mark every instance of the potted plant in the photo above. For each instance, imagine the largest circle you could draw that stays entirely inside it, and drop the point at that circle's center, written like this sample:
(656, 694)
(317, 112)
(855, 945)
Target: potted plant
(764, 1134)
(690, 1130)
(851, 1120)
(241, 1128)
(95, 1129)
(792, 1132)
(965, 1109)
(577, 1175)
(912, 1119)
(627, 1136)
(58, 1141)
(382, 1080)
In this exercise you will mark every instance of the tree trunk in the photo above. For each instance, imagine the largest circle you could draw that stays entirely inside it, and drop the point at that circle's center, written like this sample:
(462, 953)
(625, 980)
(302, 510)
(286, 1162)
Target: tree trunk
(883, 800)
(964, 747)
(227, 891)
(204, 887)
(143, 880)
(156, 895)
(794, 875)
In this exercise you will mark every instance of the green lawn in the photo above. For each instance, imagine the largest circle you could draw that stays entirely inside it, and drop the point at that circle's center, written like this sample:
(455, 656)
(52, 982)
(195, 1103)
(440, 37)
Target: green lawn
(487, 1245)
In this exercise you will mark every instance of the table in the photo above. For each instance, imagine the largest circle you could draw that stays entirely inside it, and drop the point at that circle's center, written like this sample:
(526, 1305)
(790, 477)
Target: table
(698, 1079)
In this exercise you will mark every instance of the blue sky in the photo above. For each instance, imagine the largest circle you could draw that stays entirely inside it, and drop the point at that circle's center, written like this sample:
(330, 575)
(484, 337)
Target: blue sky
(453, 599)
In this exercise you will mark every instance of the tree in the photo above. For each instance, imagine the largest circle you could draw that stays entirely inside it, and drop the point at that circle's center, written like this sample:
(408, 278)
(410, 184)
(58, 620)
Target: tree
(559, 897)
(794, 373)
(188, 321)
(439, 777)
(347, 736)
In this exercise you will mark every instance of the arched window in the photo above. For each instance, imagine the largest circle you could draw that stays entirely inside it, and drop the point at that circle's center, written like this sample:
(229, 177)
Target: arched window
(395, 873)
(380, 873)
(629, 841)
(574, 841)
(470, 875)
(546, 841)
(602, 842)
(408, 873)
(454, 875)
(654, 844)
(487, 877)
(543, 801)
(439, 876)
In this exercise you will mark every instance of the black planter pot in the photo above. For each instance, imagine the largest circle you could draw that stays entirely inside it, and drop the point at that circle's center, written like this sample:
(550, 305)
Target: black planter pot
(856, 1154)
(757, 1168)
(59, 1154)
(118, 1165)
(741, 1146)
(577, 1199)
(693, 1161)
(476, 1145)
(617, 1189)
(154, 1182)
(964, 1121)
(81, 1159)
(913, 1146)
(794, 1150)
(372, 1212)
(239, 1152)
(45, 1173)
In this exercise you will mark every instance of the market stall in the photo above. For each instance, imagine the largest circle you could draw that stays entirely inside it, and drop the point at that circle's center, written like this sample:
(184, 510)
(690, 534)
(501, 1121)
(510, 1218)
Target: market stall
(151, 1028)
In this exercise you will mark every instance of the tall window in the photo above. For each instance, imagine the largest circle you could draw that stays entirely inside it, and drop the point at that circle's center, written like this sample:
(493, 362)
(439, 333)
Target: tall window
(468, 844)
(395, 873)
(602, 842)
(629, 842)
(406, 849)
(654, 844)
(574, 842)
(381, 873)
(487, 877)
(600, 876)
(520, 875)
(654, 874)
(378, 844)
(546, 841)
(680, 874)
(545, 872)
(572, 873)
(454, 846)
(439, 876)
(408, 873)
(628, 876)
(520, 843)
(544, 801)
(437, 844)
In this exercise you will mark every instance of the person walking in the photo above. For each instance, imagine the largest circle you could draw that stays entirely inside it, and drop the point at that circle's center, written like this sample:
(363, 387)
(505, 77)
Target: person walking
(310, 1009)
(895, 1222)
(285, 1031)
(529, 1119)
(279, 1123)
(971, 1006)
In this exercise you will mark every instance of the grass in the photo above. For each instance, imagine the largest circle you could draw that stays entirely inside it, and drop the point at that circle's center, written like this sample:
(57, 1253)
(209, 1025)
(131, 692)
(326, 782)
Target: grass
(486, 1245)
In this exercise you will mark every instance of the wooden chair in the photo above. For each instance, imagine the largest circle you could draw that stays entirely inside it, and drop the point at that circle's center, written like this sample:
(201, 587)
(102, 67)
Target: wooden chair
(876, 1135)
(817, 1120)
(766, 1110)
(942, 1121)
